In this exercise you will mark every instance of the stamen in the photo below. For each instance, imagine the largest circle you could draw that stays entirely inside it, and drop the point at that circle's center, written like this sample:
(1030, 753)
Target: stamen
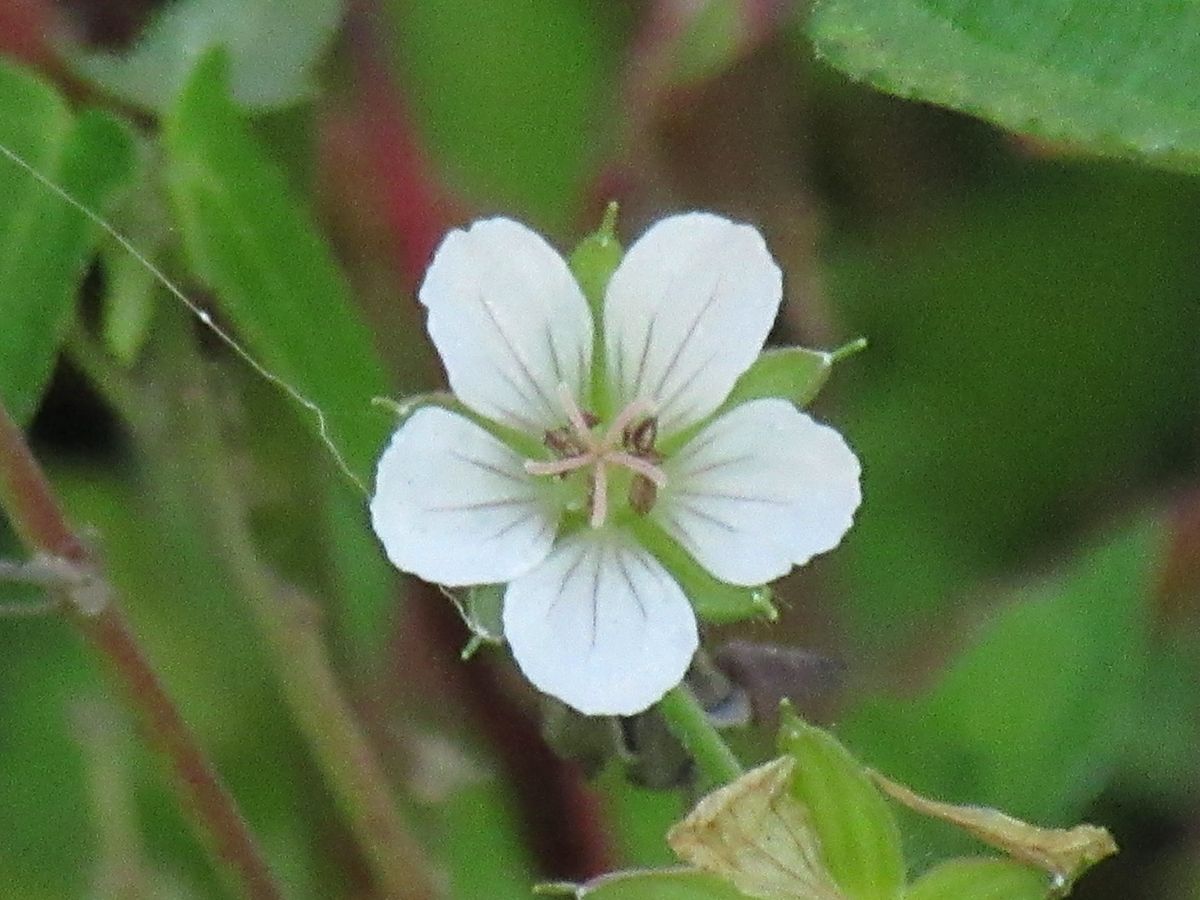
(557, 466)
(599, 494)
(625, 418)
(640, 466)
(574, 414)
(640, 437)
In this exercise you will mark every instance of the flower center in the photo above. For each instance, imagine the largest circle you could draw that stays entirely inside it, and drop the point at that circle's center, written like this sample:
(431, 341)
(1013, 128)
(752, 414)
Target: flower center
(628, 443)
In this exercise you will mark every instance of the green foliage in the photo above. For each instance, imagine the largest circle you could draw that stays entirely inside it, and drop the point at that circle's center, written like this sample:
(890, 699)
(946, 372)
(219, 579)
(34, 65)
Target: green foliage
(979, 879)
(511, 95)
(250, 238)
(1028, 345)
(860, 841)
(1118, 78)
(45, 245)
(1078, 644)
(273, 46)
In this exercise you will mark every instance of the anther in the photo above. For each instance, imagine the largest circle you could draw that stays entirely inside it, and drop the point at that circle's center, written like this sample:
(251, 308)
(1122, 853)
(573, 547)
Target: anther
(640, 438)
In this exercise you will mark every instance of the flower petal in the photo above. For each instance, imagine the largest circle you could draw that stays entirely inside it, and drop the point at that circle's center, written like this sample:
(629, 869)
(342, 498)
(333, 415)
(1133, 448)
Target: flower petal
(455, 506)
(761, 488)
(510, 323)
(687, 312)
(600, 625)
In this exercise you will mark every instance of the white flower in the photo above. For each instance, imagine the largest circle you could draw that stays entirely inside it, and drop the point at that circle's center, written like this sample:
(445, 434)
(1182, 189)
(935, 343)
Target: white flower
(591, 616)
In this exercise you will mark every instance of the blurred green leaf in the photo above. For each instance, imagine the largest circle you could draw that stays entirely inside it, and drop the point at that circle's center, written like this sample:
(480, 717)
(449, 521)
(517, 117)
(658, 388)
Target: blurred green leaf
(1122, 78)
(1078, 644)
(511, 95)
(1034, 342)
(251, 239)
(664, 884)
(130, 288)
(365, 582)
(860, 840)
(793, 373)
(45, 245)
(980, 879)
(272, 45)
(479, 842)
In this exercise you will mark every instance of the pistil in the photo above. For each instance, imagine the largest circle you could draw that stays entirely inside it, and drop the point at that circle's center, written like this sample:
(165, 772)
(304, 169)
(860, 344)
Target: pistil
(616, 446)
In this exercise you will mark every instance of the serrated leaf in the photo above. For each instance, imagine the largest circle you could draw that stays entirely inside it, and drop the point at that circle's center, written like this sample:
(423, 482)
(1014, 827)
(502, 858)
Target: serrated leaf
(1065, 853)
(661, 884)
(1116, 78)
(757, 835)
(860, 840)
(979, 879)
(45, 244)
(250, 238)
(272, 47)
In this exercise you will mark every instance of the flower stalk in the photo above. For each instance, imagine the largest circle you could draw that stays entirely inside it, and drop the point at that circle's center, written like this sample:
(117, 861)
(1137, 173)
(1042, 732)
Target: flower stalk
(36, 515)
(690, 724)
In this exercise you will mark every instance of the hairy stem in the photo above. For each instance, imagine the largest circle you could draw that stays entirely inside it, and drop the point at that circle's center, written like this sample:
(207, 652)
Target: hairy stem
(36, 515)
(690, 723)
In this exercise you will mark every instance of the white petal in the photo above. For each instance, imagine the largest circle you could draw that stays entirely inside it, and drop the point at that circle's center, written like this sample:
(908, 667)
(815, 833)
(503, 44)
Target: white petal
(510, 323)
(760, 489)
(455, 506)
(687, 312)
(600, 625)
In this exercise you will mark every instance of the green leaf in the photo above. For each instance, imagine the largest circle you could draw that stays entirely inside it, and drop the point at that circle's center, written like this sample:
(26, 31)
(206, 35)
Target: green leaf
(714, 601)
(130, 287)
(1079, 645)
(982, 878)
(661, 884)
(792, 373)
(272, 46)
(365, 582)
(511, 95)
(251, 239)
(45, 244)
(860, 840)
(1120, 78)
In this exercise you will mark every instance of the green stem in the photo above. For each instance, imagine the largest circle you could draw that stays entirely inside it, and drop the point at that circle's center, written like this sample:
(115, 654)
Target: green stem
(690, 723)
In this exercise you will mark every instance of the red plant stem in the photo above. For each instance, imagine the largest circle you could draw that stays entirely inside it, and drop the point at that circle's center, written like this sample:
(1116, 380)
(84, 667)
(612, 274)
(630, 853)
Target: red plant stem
(37, 516)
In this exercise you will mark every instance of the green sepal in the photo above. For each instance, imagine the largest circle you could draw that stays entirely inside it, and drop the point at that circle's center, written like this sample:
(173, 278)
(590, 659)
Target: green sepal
(980, 878)
(593, 262)
(402, 410)
(713, 600)
(792, 373)
(860, 839)
(596, 257)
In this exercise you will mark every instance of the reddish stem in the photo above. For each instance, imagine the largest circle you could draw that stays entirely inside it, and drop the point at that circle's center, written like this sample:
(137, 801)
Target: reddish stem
(37, 516)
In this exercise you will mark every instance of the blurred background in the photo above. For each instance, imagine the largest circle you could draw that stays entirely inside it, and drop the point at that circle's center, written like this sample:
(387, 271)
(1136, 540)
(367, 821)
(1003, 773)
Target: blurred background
(1011, 622)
